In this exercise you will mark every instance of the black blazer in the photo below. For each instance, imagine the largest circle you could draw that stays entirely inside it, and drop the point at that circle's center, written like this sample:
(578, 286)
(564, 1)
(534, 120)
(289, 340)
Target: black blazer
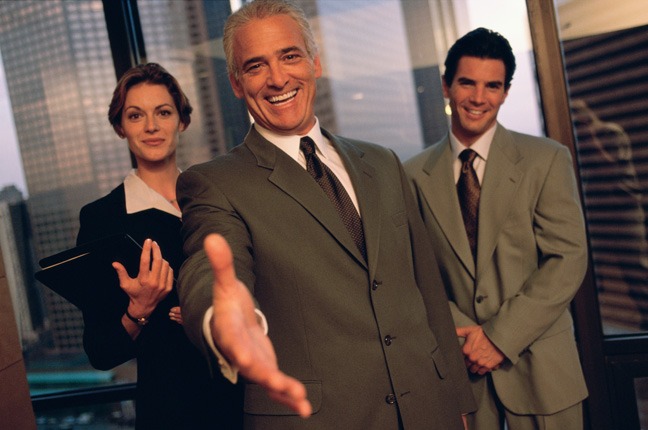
(174, 389)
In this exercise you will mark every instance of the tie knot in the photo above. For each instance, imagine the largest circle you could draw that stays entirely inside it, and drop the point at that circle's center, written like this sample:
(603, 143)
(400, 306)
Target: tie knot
(467, 155)
(307, 146)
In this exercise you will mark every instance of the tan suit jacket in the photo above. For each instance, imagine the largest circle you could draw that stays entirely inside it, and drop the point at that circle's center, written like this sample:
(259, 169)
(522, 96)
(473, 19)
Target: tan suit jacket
(356, 333)
(531, 259)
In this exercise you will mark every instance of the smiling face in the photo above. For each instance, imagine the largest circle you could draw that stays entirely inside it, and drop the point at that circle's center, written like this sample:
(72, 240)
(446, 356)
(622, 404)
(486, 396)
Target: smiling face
(475, 94)
(276, 77)
(151, 124)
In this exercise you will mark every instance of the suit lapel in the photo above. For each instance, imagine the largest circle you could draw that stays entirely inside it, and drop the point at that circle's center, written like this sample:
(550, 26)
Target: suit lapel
(441, 197)
(295, 181)
(499, 186)
(362, 177)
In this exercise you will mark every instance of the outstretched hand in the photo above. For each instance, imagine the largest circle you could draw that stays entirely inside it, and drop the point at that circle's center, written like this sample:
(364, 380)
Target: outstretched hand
(240, 338)
(480, 354)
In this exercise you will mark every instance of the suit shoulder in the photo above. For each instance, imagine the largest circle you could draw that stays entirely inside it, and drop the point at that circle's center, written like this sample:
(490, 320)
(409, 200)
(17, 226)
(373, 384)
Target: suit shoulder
(372, 152)
(536, 143)
(415, 163)
(418, 159)
(221, 163)
(365, 146)
(107, 203)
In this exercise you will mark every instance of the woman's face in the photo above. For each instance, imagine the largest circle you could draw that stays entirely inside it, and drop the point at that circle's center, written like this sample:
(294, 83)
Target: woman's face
(151, 123)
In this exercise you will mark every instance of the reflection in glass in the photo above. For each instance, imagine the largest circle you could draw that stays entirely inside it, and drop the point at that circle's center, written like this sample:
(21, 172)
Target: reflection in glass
(60, 76)
(107, 416)
(606, 75)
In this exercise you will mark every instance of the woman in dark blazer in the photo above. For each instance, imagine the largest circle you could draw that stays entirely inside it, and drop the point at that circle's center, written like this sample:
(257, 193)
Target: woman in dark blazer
(174, 388)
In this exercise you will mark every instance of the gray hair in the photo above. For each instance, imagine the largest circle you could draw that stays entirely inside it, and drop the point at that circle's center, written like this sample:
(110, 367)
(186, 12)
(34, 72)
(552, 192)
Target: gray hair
(260, 9)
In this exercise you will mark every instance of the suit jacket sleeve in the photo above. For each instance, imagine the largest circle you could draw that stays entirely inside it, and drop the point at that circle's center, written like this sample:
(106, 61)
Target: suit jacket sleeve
(434, 295)
(105, 340)
(206, 210)
(559, 232)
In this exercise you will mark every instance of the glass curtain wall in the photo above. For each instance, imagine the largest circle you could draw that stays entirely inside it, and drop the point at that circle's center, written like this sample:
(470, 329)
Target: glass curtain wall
(58, 80)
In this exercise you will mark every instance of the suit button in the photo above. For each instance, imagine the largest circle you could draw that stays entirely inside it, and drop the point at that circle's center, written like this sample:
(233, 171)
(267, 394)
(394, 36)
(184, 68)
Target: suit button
(480, 299)
(390, 399)
(375, 285)
(388, 340)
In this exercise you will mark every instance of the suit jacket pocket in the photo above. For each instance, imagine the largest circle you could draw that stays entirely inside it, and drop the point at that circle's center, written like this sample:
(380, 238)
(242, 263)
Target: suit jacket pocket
(257, 402)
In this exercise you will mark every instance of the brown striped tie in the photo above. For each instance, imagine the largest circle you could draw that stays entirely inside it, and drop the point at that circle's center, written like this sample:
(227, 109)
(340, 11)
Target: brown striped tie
(468, 190)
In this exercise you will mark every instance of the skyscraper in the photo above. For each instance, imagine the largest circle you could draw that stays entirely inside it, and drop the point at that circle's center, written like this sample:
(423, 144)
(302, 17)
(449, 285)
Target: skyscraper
(60, 77)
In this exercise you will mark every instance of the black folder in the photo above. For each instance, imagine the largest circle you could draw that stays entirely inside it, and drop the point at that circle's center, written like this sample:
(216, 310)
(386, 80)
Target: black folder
(84, 274)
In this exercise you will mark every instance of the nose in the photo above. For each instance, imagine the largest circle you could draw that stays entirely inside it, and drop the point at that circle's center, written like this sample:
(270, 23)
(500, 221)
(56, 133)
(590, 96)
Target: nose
(477, 95)
(277, 77)
(151, 124)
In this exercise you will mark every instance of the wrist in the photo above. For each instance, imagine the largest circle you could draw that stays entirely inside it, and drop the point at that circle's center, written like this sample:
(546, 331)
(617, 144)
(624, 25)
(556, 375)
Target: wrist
(139, 320)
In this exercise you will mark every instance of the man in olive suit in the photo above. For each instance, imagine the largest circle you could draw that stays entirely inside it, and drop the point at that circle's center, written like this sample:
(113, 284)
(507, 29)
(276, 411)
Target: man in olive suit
(324, 232)
(503, 211)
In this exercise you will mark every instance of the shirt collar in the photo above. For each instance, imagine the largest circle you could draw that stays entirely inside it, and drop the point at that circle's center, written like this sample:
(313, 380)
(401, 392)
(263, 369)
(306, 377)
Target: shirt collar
(290, 144)
(481, 146)
(141, 197)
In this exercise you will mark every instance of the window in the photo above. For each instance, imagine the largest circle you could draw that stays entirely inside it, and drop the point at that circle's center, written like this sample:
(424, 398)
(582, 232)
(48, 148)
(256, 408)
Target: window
(382, 64)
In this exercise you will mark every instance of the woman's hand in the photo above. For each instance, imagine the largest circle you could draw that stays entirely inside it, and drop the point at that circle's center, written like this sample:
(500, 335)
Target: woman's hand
(176, 315)
(152, 284)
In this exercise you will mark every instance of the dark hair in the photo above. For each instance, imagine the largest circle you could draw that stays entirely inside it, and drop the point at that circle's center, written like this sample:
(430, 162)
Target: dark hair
(481, 43)
(260, 9)
(151, 73)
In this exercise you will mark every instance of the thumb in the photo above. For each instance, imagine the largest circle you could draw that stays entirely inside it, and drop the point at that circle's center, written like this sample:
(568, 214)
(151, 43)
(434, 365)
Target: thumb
(221, 260)
(122, 274)
(462, 331)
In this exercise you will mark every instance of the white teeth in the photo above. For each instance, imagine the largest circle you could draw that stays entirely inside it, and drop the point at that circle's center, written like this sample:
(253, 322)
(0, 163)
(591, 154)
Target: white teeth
(282, 97)
(474, 112)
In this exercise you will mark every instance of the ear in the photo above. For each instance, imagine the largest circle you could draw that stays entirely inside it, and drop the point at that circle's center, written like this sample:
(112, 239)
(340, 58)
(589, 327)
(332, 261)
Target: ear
(445, 88)
(236, 86)
(317, 66)
(182, 127)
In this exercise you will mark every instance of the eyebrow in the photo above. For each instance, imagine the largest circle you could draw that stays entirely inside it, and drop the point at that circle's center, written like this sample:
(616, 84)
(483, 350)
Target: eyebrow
(463, 79)
(278, 52)
(156, 107)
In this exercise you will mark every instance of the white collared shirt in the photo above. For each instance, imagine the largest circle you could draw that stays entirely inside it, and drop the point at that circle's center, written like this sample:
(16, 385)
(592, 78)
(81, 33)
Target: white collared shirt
(324, 149)
(140, 197)
(481, 147)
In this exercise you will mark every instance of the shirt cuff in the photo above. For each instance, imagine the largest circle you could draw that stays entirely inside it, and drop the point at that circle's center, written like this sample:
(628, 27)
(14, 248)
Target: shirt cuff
(229, 372)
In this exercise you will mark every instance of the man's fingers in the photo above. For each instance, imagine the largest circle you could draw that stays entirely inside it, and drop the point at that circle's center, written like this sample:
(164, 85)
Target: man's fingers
(291, 393)
(462, 331)
(221, 260)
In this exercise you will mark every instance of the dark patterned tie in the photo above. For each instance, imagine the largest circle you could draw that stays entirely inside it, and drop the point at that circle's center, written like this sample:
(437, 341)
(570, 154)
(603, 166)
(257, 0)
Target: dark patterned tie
(468, 190)
(335, 192)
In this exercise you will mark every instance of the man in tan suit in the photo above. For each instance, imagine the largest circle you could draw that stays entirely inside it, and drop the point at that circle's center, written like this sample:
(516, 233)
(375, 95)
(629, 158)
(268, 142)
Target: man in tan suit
(512, 265)
(358, 317)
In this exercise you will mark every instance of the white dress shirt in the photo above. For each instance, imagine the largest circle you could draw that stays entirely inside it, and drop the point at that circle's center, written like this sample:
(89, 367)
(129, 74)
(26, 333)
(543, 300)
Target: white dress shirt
(140, 197)
(481, 147)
